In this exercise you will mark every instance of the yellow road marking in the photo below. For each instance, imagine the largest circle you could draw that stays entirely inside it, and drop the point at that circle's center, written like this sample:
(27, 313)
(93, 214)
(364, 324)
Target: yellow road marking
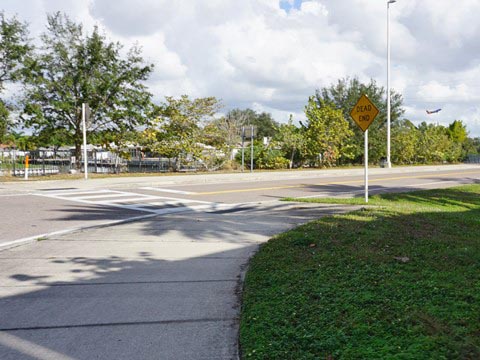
(331, 183)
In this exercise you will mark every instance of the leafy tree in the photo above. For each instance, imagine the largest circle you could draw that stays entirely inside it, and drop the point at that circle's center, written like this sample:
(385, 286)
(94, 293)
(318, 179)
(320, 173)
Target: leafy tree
(264, 124)
(344, 95)
(46, 138)
(177, 133)
(471, 146)
(20, 141)
(4, 122)
(458, 134)
(326, 133)
(74, 68)
(269, 157)
(405, 138)
(14, 50)
(457, 131)
(225, 132)
(291, 140)
(434, 144)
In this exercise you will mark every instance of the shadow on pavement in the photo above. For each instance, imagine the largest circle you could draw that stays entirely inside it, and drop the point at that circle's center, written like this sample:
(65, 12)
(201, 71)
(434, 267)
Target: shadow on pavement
(163, 288)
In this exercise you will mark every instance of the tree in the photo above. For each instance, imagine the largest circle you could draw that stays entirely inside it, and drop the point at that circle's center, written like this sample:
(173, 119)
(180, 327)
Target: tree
(345, 94)
(405, 138)
(228, 129)
(471, 146)
(326, 133)
(457, 131)
(14, 50)
(434, 144)
(73, 68)
(290, 139)
(4, 123)
(177, 132)
(264, 124)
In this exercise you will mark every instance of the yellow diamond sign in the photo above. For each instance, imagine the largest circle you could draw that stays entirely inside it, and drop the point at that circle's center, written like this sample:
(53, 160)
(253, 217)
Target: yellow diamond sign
(364, 112)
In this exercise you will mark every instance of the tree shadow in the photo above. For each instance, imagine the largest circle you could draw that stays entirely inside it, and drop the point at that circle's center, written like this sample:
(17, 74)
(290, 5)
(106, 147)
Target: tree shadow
(135, 306)
(166, 287)
(86, 212)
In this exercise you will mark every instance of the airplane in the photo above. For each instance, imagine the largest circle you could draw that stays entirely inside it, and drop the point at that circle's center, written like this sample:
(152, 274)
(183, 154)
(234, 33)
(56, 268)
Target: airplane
(433, 111)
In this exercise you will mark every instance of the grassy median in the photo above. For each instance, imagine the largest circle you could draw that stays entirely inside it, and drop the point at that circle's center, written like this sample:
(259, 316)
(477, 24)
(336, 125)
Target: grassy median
(399, 279)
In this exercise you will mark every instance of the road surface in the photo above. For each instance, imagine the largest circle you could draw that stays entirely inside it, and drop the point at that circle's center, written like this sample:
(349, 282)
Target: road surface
(166, 286)
(36, 209)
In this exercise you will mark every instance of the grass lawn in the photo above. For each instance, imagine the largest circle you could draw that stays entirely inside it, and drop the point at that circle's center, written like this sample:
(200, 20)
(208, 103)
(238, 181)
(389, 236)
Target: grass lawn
(396, 280)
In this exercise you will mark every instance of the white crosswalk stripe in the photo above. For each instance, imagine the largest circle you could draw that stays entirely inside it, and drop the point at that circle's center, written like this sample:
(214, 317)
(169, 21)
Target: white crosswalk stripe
(129, 200)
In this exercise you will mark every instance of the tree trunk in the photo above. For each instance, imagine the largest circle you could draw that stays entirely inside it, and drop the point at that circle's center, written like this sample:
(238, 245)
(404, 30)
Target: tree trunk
(78, 155)
(291, 159)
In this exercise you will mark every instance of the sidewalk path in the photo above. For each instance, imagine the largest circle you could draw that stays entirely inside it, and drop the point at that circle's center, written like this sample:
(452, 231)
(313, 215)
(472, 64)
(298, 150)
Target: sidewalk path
(162, 288)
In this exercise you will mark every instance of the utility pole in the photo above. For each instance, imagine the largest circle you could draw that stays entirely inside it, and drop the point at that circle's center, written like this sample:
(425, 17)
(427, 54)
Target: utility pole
(251, 151)
(389, 162)
(243, 148)
(85, 158)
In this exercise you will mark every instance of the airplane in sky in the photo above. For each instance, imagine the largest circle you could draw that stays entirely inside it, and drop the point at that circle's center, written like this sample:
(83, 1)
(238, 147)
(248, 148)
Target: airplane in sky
(433, 111)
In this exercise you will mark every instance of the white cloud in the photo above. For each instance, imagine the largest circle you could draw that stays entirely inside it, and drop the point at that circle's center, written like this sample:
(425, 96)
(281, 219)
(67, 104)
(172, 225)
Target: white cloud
(253, 53)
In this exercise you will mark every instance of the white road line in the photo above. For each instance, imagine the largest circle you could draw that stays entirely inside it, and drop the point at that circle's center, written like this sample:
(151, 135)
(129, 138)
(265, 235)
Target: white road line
(106, 196)
(61, 232)
(12, 195)
(185, 200)
(169, 190)
(67, 193)
(112, 201)
(158, 205)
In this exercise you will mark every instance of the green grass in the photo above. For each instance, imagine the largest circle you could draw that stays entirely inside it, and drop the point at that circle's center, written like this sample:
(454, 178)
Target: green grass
(398, 280)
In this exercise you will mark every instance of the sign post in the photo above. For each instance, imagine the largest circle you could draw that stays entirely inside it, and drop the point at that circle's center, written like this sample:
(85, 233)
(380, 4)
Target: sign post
(26, 166)
(366, 166)
(251, 148)
(243, 148)
(85, 109)
(363, 113)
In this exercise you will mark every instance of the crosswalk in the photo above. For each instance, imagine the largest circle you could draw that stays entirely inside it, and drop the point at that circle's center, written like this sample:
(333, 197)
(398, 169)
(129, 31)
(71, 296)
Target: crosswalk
(129, 200)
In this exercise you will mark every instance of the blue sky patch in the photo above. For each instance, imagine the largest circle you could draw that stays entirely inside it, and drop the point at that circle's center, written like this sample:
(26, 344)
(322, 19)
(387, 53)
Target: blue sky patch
(288, 5)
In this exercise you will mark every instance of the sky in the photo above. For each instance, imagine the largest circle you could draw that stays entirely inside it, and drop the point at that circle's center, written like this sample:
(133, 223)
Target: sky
(271, 55)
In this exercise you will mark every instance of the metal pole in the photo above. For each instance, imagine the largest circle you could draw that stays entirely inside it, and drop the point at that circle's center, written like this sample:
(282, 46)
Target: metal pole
(14, 161)
(389, 163)
(366, 166)
(251, 151)
(85, 158)
(243, 148)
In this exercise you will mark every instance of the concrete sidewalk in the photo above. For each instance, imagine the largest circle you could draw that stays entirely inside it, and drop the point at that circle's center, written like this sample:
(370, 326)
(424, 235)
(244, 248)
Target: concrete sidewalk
(161, 288)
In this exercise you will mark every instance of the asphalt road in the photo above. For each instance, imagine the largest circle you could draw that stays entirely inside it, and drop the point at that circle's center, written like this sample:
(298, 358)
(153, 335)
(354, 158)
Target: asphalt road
(164, 287)
(36, 209)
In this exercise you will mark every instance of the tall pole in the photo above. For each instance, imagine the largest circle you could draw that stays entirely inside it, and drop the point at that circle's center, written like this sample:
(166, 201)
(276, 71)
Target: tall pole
(243, 148)
(366, 166)
(85, 159)
(389, 162)
(251, 149)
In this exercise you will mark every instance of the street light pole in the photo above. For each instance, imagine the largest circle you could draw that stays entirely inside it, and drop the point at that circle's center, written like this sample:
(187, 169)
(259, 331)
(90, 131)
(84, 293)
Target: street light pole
(389, 162)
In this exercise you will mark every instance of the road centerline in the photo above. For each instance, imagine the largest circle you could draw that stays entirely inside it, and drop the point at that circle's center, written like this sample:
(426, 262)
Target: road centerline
(299, 186)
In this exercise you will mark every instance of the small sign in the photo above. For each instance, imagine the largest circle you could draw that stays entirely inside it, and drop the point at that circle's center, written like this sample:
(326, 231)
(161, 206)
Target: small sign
(364, 112)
